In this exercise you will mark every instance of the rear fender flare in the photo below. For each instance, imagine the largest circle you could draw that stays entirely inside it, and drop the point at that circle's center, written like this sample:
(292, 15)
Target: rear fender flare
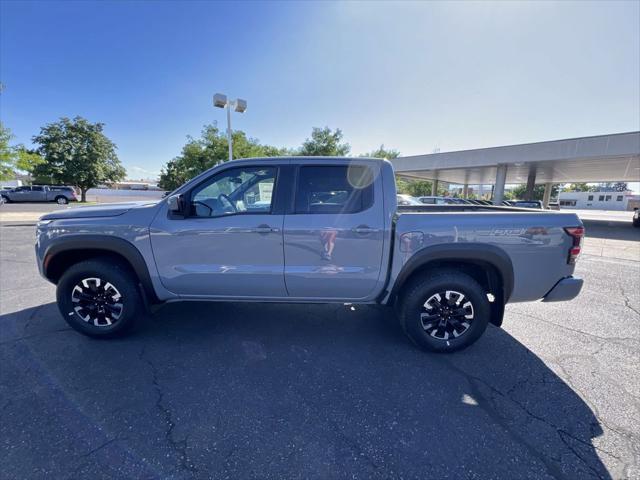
(476, 253)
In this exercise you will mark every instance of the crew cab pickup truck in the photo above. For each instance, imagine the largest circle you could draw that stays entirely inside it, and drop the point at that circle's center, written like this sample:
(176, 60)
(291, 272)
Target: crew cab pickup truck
(318, 230)
(40, 193)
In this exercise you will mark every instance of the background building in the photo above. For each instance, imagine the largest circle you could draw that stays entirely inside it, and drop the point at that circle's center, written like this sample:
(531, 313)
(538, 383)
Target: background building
(602, 200)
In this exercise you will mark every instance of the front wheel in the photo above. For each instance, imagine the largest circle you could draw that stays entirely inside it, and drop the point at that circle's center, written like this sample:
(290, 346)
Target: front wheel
(62, 200)
(4, 199)
(444, 311)
(99, 298)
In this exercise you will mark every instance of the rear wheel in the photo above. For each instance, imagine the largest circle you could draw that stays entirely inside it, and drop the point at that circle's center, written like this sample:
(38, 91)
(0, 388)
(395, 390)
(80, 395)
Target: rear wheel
(61, 200)
(99, 298)
(444, 311)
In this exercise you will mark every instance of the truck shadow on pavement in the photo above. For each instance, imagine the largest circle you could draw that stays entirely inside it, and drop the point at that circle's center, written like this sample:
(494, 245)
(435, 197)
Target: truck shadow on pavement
(274, 391)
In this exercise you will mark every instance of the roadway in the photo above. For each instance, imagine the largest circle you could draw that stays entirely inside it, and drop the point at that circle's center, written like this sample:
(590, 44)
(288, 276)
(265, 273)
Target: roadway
(232, 390)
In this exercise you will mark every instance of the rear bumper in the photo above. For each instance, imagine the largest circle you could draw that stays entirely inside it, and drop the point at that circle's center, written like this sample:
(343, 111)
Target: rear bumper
(566, 289)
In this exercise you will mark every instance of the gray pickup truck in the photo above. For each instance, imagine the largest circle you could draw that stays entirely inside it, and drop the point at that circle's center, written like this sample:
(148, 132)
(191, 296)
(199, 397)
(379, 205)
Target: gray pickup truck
(40, 193)
(314, 230)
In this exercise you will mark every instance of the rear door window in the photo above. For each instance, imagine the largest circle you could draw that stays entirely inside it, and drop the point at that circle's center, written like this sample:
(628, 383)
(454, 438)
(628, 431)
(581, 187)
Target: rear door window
(334, 189)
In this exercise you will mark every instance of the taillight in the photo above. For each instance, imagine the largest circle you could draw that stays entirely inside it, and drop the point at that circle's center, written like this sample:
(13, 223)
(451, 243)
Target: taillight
(577, 234)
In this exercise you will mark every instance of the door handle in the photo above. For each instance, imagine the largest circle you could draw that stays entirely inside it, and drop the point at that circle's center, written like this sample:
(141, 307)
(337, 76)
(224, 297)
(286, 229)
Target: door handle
(364, 230)
(265, 229)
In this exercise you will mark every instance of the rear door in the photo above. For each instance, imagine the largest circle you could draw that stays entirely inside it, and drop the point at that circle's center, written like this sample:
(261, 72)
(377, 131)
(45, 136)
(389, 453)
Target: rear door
(333, 239)
(38, 194)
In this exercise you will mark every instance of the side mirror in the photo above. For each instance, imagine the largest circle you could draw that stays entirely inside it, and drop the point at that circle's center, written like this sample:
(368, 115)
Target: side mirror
(176, 204)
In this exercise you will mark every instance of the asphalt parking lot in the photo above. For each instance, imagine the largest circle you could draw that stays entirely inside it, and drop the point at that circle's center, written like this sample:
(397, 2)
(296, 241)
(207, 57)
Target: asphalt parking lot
(318, 391)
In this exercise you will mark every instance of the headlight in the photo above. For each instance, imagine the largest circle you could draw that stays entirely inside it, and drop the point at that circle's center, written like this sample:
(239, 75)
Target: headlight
(43, 223)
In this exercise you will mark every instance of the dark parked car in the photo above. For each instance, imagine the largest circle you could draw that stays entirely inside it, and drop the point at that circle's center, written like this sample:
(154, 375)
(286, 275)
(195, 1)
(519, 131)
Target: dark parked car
(527, 204)
(432, 200)
(524, 203)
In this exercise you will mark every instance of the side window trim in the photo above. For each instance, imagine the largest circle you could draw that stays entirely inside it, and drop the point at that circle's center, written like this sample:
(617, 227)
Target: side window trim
(284, 190)
(189, 193)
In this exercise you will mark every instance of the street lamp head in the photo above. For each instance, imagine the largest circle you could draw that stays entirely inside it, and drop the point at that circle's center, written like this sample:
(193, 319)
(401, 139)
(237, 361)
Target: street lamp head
(219, 100)
(241, 105)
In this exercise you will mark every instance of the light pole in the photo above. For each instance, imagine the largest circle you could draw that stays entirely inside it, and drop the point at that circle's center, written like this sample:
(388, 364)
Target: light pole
(220, 100)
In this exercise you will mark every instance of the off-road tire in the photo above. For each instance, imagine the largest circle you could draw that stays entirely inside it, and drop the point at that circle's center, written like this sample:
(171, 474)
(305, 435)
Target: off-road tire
(117, 285)
(413, 311)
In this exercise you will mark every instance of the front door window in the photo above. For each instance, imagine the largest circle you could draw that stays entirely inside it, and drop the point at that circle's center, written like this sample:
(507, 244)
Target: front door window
(235, 191)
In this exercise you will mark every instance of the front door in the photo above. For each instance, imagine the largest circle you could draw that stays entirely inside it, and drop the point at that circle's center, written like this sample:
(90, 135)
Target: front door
(231, 243)
(21, 194)
(334, 238)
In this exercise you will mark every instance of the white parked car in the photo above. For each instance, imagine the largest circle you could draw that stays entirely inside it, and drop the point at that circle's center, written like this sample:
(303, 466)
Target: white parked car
(404, 199)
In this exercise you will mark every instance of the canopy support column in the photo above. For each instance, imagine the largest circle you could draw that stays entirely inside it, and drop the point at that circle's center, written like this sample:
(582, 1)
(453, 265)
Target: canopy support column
(498, 191)
(531, 183)
(547, 194)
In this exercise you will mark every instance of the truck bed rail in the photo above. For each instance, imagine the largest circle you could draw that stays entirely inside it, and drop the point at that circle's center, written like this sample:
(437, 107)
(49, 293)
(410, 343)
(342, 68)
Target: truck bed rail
(466, 208)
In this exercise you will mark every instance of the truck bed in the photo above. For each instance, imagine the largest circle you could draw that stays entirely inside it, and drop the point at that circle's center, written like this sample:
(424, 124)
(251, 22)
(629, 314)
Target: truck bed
(534, 240)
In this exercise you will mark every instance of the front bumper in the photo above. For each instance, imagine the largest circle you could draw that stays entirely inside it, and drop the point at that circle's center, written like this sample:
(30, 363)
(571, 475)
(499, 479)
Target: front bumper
(566, 289)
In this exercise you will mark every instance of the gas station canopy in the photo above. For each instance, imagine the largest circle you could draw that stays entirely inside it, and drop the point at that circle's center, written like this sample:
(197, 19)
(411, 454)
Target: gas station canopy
(602, 158)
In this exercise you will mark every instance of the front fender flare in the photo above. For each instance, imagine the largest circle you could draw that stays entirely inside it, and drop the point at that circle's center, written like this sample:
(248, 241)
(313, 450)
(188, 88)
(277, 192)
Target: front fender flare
(105, 243)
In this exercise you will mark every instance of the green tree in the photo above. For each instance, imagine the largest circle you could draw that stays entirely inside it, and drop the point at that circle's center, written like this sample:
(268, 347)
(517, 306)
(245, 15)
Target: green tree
(538, 192)
(200, 154)
(510, 195)
(77, 152)
(325, 142)
(604, 186)
(402, 186)
(15, 157)
(27, 160)
(7, 154)
(580, 187)
(382, 152)
(420, 188)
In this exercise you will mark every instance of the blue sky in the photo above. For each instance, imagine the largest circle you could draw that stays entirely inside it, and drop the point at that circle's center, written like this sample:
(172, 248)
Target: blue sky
(415, 76)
